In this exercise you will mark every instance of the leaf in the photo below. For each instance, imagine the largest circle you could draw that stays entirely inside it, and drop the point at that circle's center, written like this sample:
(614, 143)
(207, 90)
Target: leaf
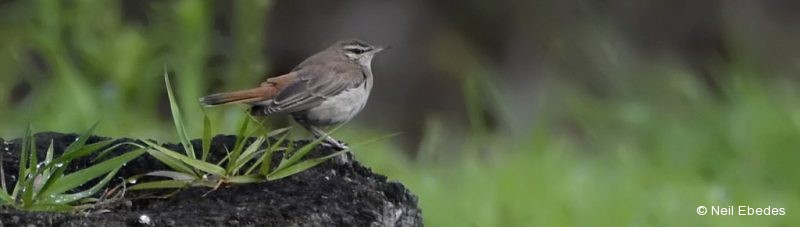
(54, 177)
(173, 163)
(60, 164)
(5, 198)
(197, 164)
(171, 174)
(206, 137)
(32, 159)
(28, 188)
(240, 139)
(108, 150)
(49, 155)
(81, 140)
(281, 172)
(300, 153)
(301, 166)
(248, 155)
(376, 139)
(278, 132)
(4, 191)
(227, 155)
(81, 151)
(23, 159)
(80, 177)
(178, 119)
(266, 158)
(162, 184)
(163, 173)
(262, 129)
(64, 199)
(245, 179)
(49, 207)
(45, 172)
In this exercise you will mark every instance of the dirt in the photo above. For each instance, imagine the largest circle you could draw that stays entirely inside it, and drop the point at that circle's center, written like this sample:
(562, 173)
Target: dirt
(327, 195)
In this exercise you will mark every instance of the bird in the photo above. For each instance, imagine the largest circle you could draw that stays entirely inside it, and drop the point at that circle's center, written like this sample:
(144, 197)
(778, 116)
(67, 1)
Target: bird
(329, 88)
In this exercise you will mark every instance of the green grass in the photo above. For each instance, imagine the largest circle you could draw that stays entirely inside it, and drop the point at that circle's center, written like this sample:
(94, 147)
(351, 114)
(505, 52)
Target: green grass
(45, 185)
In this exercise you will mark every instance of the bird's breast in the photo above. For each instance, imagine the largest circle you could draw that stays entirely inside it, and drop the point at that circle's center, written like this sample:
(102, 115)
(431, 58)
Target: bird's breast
(339, 108)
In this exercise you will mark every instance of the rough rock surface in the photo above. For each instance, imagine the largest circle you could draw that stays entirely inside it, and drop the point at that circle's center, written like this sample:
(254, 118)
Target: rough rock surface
(326, 195)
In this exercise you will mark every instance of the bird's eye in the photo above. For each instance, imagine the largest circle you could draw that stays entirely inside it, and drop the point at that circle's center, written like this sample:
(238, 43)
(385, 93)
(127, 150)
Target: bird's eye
(356, 50)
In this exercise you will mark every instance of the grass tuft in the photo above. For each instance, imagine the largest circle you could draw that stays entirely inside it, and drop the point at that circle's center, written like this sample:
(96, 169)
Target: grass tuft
(44, 186)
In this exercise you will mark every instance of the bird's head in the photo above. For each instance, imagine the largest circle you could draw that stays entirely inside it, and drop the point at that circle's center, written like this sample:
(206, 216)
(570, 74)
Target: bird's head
(358, 51)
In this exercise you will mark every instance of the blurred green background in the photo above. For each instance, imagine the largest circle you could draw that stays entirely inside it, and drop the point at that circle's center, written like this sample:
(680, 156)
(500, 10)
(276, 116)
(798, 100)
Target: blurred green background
(512, 113)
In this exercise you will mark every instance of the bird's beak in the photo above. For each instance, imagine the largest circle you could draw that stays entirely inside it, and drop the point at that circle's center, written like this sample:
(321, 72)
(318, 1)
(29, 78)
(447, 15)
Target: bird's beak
(379, 49)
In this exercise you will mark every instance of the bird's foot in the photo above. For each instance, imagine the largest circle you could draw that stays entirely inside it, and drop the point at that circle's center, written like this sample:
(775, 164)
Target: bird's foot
(344, 158)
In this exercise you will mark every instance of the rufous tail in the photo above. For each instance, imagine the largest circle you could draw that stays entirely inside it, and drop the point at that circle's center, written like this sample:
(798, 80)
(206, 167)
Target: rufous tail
(246, 96)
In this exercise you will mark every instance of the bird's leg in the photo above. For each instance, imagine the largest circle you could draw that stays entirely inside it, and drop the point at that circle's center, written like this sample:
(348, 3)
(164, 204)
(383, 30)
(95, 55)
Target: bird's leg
(327, 138)
(339, 160)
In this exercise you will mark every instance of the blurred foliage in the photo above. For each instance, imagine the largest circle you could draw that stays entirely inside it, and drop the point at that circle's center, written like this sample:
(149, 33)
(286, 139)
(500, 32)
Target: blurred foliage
(630, 150)
(67, 64)
(644, 158)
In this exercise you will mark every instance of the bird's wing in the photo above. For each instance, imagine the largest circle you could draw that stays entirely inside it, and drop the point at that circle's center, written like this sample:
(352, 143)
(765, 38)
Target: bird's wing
(311, 86)
(280, 82)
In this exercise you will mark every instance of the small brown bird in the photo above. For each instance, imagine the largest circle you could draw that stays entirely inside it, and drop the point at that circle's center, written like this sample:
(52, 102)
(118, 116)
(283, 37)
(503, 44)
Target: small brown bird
(328, 88)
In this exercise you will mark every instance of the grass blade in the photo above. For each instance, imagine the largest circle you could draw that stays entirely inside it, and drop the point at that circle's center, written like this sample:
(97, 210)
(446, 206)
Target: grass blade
(301, 166)
(48, 158)
(108, 150)
(162, 184)
(197, 164)
(5, 198)
(247, 155)
(64, 199)
(59, 165)
(376, 139)
(206, 137)
(245, 179)
(299, 154)
(80, 177)
(262, 129)
(28, 188)
(171, 174)
(178, 119)
(81, 139)
(173, 163)
(23, 160)
(33, 161)
(266, 158)
(278, 132)
(240, 139)
(81, 151)
(290, 169)
(44, 172)
(27, 191)
(50, 208)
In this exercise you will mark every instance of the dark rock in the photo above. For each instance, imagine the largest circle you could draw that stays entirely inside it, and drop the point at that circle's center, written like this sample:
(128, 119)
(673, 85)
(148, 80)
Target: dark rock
(326, 195)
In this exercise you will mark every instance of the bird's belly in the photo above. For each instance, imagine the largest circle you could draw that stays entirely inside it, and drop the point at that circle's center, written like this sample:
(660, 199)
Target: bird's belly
(338, 109)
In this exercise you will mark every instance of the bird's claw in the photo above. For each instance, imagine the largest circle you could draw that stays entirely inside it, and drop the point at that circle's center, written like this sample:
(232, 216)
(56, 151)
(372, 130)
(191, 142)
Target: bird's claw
(344, 158)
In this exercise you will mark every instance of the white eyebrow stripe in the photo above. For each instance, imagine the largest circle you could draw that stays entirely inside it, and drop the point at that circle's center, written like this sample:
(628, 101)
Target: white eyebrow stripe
(357, 47)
